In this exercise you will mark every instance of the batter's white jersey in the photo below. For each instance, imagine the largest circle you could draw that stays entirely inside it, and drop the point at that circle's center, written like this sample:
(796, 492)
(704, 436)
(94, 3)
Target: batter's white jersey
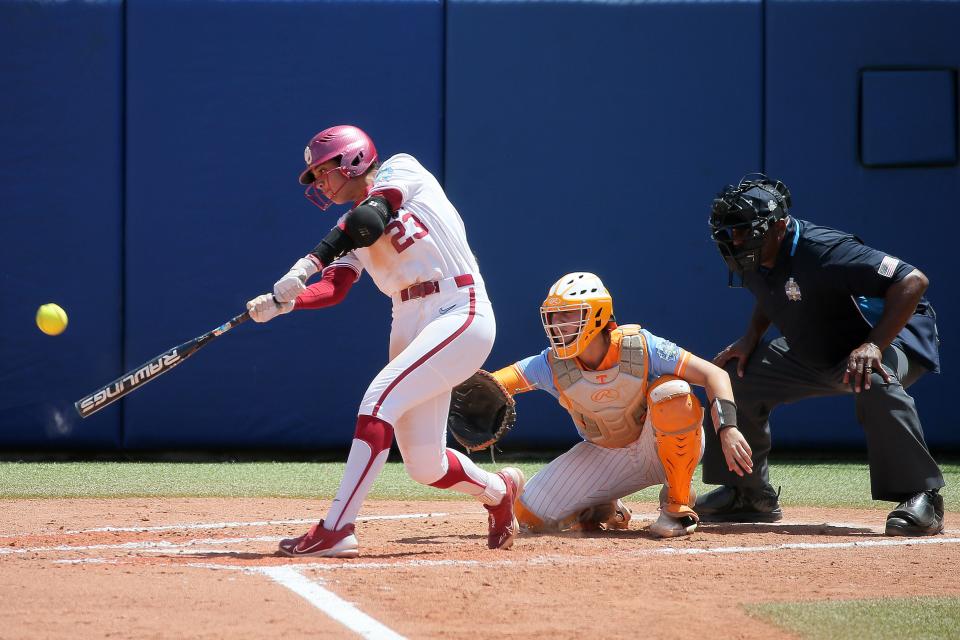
(426, 241)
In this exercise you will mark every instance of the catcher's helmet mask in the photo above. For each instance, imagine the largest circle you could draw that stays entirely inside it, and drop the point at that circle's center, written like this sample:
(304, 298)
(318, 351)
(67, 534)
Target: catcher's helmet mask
(578, 291)
(565, 333)
(753, 206)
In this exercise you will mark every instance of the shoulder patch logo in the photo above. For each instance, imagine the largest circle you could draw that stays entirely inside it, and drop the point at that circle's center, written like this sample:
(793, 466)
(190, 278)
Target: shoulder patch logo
(887, 266)
(667, 350)
(384, 174)
(792, 289)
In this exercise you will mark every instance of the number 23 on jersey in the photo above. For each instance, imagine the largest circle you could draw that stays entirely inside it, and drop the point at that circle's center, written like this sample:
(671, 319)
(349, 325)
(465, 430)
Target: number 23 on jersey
(405, 230)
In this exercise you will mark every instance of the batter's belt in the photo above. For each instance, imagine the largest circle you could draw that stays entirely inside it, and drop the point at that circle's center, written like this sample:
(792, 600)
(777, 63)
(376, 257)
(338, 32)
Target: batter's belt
(424, 289)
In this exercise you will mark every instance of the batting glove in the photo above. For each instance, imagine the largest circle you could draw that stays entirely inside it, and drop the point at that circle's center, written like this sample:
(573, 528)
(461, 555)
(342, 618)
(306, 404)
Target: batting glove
(287, 288)
(264, 308)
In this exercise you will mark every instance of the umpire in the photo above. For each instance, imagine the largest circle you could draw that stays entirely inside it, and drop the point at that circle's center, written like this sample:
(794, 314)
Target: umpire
(852, 320)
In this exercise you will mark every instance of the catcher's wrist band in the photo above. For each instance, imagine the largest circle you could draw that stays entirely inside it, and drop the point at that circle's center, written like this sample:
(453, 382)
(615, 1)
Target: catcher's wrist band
(724, 414)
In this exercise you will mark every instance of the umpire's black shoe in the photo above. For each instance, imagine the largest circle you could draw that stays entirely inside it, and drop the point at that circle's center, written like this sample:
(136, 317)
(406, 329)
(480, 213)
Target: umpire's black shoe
(740, 504)
(918, 515)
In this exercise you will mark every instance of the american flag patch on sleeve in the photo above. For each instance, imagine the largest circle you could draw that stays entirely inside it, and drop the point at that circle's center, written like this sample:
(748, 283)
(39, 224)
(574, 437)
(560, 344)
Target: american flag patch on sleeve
(887, 266)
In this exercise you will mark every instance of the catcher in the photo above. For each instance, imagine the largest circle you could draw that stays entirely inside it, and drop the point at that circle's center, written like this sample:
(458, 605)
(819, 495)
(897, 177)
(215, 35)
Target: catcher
(628, 392)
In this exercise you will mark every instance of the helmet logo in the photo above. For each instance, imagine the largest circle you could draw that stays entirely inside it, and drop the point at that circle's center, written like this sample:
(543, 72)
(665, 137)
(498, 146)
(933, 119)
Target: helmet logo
(308, 155)
(554, 301)
(771, 205)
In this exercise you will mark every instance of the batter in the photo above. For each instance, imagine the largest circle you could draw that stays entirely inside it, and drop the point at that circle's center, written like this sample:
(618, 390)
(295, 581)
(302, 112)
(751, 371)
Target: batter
(407, 235)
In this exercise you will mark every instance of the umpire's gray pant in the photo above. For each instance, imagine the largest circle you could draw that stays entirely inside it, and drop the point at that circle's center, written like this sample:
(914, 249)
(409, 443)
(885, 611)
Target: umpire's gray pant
(900, 464)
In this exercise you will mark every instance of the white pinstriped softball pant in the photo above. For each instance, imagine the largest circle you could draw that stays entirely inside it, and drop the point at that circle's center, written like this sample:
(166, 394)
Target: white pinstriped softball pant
(589, 475)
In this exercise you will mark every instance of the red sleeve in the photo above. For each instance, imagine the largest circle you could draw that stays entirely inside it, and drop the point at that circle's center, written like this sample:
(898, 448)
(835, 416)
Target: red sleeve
(331, 289)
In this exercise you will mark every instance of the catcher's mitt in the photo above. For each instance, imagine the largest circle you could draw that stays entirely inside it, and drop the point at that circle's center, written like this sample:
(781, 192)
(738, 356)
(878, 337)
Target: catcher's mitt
(481, 411)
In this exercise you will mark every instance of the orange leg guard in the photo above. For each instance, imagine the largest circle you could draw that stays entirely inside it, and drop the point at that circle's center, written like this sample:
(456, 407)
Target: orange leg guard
(677, 417)
(528, 519)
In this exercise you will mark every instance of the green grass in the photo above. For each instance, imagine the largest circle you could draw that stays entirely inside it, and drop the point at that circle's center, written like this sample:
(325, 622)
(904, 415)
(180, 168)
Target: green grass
(805, 482)
(885, 619)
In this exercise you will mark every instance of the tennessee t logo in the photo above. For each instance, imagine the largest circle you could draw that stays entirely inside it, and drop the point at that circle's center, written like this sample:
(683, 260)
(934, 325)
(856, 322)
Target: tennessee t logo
(602, 378)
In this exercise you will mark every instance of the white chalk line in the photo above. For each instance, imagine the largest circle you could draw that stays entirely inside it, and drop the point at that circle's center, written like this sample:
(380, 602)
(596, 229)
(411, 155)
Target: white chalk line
(184, 549)
(404, 564)
(350, 565)
(188, 526)
(220, 525)
(161, 545)
(810, 546)
(330, 603)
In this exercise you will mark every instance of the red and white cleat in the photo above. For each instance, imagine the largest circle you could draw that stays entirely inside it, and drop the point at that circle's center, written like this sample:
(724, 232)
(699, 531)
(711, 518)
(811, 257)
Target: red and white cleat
(502, 522)
(320, 543)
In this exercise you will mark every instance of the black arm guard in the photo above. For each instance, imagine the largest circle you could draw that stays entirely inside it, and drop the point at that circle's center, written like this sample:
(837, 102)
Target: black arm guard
(333, 246)
(366, 222)
(362, 227)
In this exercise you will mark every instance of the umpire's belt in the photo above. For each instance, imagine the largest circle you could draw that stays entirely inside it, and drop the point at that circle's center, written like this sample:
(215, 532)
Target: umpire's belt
(423, 289)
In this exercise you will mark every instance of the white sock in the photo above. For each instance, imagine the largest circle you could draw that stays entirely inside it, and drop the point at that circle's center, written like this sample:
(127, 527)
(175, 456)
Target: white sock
(362, 469)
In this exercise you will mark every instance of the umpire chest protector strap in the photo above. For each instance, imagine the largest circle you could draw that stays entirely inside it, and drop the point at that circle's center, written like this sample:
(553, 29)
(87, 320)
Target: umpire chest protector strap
(609, 406)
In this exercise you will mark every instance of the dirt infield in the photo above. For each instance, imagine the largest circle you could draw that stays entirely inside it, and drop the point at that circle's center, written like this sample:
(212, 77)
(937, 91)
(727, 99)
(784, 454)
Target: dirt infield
(205, 568)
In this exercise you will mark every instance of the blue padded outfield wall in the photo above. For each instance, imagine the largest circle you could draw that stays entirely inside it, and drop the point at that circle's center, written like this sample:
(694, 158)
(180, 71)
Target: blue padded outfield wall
(61, 218)
(149, 186)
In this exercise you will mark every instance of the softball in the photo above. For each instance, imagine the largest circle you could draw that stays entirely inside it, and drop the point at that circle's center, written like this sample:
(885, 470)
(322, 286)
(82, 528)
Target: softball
(51, 319)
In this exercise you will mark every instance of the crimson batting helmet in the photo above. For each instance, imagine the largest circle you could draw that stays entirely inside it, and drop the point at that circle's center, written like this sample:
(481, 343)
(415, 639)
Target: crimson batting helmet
(751, 206)
(351, 144)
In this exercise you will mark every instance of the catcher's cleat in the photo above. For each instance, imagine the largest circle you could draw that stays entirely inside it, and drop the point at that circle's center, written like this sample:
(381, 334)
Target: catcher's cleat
(612, 516)
(502, 521)
(321, 543)
(621, 518)
(740, 504)
(667, 526)
(918, 515)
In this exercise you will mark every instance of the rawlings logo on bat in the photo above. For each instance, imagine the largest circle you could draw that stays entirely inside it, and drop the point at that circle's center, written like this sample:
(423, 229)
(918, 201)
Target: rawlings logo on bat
(133, 380)
(143, 373)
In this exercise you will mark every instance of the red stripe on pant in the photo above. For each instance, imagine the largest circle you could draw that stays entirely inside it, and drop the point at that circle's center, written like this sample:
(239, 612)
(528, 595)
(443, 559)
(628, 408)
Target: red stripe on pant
(379, 435)
(429, 354)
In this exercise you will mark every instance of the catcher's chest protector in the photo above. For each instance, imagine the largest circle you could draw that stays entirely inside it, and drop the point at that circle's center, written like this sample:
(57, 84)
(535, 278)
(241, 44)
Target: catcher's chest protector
(607, 406)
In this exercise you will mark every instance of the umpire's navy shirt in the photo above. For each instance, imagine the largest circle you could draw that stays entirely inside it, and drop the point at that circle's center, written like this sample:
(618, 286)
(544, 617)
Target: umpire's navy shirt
(827, 290)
